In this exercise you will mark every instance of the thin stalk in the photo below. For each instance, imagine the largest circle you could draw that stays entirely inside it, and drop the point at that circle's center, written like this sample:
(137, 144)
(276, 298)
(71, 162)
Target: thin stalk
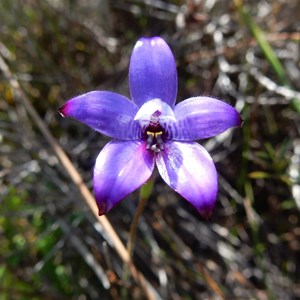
(145, 192)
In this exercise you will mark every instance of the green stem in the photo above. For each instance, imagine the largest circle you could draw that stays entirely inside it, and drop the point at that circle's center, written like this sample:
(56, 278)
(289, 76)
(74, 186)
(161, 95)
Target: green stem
(145, 192)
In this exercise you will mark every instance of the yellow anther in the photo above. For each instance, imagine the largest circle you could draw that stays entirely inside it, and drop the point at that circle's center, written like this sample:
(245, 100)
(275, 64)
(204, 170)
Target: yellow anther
(155, 141)
(150, 133)
(158, 133)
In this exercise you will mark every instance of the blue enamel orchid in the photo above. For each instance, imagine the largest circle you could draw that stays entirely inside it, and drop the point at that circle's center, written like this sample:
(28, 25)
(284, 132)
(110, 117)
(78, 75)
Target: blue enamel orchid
(151, 130)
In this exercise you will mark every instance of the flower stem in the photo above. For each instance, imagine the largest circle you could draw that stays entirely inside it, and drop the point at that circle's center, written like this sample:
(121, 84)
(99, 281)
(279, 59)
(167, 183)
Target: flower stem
(145, 192)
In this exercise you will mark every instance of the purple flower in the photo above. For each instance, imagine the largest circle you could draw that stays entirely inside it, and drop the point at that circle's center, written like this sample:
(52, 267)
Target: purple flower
(151, 130)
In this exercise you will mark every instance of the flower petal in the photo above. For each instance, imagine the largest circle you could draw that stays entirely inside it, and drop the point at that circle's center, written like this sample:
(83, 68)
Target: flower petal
(202, 117)
(188, 169)
(121, 167)
(152, 107)
(152, 72)
(110, 113)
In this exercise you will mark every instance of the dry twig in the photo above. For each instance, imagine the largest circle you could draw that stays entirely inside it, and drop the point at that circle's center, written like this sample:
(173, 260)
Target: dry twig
(22, 98)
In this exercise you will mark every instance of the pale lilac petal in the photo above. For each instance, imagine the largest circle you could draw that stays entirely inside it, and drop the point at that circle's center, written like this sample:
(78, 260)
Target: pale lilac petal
(107, 112)
(152, 107)
(152, 72)
(202, 117)
(121, 168)
(188, 169)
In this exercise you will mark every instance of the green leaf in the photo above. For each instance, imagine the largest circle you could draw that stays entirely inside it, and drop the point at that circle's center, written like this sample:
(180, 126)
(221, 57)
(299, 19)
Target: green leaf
(266, 48)
(259, 175)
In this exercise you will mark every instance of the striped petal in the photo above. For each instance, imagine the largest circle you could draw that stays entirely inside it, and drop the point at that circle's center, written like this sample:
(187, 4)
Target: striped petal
(202, 117)
(106, 112)
(152, 72)
(121, 168)
(188, 169)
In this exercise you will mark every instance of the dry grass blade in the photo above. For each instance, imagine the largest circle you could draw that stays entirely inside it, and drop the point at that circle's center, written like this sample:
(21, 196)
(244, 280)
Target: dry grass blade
(76, 178)
(86, 254)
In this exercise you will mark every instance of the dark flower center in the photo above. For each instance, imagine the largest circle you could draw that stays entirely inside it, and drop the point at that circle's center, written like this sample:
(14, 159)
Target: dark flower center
(155, 133)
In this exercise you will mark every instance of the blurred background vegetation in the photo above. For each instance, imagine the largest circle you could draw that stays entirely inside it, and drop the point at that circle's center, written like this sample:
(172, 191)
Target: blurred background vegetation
(245, 52)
